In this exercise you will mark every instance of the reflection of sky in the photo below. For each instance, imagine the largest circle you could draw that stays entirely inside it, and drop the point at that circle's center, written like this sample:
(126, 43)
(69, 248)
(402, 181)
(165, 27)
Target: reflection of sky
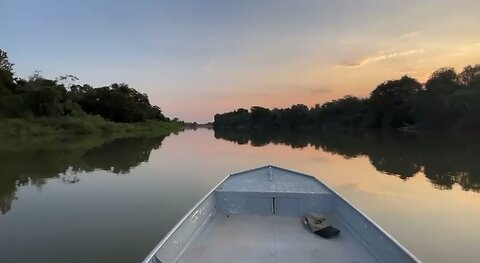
(120, 217)
(196, 58)
(436, 225)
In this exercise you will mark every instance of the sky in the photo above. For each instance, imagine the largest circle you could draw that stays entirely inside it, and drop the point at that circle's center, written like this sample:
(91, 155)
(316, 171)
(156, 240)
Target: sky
(197, 58)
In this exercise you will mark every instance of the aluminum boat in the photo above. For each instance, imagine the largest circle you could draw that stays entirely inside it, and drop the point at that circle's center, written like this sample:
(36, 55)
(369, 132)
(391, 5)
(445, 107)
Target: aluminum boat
(257, 216)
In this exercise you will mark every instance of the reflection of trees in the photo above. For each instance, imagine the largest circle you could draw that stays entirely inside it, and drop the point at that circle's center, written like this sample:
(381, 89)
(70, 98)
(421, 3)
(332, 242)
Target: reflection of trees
(32, 162)
(120, 155)
(444, 159)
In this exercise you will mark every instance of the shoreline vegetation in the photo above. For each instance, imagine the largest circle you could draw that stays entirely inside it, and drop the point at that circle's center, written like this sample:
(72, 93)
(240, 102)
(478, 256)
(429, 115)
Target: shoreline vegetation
(85, 125)
(38, 106)
(447, 101)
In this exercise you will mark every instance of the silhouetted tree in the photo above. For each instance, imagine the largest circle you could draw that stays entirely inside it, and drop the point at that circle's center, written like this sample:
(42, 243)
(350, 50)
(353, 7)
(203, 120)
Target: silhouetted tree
(470, 76)
(442, 82)
(447, 101)
(392, 102)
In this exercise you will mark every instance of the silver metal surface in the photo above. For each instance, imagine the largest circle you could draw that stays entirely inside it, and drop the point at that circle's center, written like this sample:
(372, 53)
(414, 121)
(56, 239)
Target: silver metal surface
(271, 239)
(272, 180)
(255, 216)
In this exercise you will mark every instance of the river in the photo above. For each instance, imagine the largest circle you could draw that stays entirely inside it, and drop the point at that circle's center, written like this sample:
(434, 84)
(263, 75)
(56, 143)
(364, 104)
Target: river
(96, 199)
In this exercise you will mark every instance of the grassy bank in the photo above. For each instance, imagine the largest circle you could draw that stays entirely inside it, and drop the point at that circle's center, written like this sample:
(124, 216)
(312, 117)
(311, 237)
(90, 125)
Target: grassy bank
(83, 125)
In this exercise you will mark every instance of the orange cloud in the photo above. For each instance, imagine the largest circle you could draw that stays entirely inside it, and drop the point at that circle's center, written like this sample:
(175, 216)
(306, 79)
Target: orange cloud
(381, 56)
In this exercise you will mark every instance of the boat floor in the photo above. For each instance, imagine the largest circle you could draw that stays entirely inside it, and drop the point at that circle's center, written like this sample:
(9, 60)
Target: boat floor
(255, 238)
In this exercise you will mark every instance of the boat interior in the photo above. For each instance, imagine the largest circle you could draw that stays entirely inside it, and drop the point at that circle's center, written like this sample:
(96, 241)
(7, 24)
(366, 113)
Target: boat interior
(257, 216)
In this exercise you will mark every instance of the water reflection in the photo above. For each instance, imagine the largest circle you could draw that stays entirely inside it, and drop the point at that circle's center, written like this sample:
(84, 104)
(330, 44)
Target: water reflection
(34, 160)
(445, 159)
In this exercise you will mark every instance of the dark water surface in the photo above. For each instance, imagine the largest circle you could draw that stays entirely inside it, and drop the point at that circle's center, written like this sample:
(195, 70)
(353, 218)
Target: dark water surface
(90, 199)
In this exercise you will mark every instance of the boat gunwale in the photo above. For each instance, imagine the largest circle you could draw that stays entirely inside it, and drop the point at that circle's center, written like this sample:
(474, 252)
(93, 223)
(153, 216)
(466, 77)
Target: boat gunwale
(413, 257)
(184, 218)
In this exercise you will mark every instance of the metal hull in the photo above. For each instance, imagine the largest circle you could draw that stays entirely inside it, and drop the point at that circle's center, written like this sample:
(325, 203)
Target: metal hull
(255, 216)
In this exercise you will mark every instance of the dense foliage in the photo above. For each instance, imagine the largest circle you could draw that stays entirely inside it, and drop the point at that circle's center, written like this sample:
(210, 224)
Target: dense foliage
(446, 101)
(41, 97)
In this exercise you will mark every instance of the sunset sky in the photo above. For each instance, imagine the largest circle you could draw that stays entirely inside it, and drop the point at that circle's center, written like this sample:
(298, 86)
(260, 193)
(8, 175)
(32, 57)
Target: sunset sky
(197, 58)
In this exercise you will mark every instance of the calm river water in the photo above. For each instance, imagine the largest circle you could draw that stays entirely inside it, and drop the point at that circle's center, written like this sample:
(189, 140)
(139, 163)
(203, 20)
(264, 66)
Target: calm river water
(88, 199)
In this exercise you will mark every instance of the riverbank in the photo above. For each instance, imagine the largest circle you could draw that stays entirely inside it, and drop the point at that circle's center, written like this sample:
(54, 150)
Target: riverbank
(84, 125)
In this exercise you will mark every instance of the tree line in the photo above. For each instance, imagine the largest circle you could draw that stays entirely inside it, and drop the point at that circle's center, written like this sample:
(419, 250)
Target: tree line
(37, 96)
(447, 100)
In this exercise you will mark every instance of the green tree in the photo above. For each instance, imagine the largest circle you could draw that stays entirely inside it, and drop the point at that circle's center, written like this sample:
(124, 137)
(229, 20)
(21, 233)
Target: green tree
(5, 64)
(6, 74)
(117, 102)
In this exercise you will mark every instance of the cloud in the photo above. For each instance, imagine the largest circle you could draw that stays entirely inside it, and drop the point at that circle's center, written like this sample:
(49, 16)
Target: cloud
(408, 35)
(408, 72)
(382, 56)
(465, 50)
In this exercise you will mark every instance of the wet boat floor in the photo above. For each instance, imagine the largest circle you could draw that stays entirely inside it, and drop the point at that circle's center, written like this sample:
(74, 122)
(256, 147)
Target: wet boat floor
(255, 238)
